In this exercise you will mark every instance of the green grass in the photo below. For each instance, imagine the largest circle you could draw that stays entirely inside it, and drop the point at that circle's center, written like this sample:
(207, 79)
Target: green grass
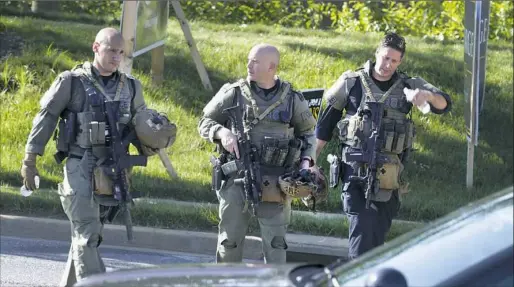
(200, 217)
(310, 59)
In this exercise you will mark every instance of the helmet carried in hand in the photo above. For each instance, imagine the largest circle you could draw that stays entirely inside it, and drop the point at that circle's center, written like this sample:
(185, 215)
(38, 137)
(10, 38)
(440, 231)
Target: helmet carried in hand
(153, 129)
(308, 184)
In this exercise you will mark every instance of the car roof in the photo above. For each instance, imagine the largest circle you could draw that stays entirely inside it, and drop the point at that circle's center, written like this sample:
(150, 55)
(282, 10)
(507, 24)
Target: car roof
(444, 248)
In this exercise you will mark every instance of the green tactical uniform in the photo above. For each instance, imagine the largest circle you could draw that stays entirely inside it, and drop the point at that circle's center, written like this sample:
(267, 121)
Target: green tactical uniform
(288, 119)
(70, 94)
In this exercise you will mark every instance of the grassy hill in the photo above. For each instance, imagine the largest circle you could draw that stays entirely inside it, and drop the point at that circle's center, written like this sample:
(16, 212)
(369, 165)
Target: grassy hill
(309, 59)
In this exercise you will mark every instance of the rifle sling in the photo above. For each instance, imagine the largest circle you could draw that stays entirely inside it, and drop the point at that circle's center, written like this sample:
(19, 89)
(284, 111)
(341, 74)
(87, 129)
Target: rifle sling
(367, 90)
(245, 91)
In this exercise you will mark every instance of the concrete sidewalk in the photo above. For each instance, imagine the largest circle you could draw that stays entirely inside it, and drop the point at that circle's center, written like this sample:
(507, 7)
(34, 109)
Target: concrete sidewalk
(302, 248)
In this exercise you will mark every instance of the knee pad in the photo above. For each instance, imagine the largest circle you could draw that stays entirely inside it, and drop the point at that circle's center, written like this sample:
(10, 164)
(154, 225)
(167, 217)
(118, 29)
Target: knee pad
(228, 244)
(279, 242)
(94, 240)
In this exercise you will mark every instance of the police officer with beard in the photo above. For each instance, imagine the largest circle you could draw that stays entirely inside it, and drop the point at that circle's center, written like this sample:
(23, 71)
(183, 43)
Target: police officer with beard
(377, 81)
(80, 97)
(281, 127)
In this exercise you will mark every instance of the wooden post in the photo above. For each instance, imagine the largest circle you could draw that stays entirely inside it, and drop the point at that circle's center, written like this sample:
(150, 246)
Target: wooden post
(128, 30)
(192, 46)
(157, 65)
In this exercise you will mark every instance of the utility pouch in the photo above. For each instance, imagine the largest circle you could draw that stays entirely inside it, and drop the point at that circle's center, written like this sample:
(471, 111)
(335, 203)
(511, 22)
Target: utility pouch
(342, 125)
(230, 168)
(294, 152)
(269, 151)
(97, 133)
(283, 149)
(389, 173)
(399, 139)
(103, 180)
(71, 127)
(365, 125)
(388, 134)
(103, 183)
(83, 121)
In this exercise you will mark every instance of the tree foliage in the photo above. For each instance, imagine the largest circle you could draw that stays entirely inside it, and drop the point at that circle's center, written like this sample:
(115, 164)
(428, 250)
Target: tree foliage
(437, 19)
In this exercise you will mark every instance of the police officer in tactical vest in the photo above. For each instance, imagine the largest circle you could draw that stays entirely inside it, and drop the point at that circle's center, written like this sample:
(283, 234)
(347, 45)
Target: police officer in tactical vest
(92, 103)
(279, 126)
(372, 199)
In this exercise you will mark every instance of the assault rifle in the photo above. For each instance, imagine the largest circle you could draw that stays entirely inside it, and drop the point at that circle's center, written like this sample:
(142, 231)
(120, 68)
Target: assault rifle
(248, 176)
(370, 154)
(119, 162)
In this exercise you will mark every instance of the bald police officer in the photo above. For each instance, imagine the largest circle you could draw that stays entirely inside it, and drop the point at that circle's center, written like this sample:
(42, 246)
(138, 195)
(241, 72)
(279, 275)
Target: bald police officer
(281, 127)
(377, 81)
(80, 97)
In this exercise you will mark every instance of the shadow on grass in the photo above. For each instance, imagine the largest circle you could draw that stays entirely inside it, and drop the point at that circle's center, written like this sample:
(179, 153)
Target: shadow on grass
(181, 76)
(177, 188)
(78, 45)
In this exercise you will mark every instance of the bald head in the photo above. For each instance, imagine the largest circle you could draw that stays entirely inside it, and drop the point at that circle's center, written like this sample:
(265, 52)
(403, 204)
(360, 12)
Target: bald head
(268, 52)
(108, 36)
(108, 48)
(263, 61)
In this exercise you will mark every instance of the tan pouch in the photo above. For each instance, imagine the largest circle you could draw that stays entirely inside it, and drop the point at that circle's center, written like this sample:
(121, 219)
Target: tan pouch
(270, 189)
(389, 173)
(102, 179)
(103, 182)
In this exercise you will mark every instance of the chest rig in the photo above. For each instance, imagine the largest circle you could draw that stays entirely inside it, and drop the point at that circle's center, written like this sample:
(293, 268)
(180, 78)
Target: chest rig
(102, 107)
(397, 129)
(269, 126)
(268, 123)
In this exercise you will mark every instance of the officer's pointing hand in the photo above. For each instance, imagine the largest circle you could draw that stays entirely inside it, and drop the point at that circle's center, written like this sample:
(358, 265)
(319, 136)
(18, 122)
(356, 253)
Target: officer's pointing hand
(229, 141)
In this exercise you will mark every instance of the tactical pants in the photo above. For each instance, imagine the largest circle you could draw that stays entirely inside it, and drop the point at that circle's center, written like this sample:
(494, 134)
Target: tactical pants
(273, 221)
(86, 230)
(367, 227)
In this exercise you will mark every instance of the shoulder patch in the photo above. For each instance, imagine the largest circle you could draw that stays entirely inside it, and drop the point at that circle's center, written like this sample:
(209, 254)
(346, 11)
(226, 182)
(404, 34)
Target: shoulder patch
(66, 74)
(227, 86)
(350, 74)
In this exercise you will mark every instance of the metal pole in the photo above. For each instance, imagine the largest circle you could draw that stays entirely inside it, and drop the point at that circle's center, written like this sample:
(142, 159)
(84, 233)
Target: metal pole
(474, 96)
(470, 164)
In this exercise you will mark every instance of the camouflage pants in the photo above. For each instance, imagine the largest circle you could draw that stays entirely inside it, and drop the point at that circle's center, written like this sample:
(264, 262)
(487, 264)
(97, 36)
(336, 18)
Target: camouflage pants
(86, 229)
(273, 221)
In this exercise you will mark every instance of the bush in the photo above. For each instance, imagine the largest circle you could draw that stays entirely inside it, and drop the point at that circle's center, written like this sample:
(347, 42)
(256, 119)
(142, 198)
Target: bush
(436, 19)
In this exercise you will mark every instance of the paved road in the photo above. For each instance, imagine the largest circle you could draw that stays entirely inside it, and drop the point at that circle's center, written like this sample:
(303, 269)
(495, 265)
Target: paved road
(35, 262)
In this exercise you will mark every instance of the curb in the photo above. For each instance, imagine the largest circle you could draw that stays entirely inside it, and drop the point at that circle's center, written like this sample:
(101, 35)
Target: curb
(301, 247)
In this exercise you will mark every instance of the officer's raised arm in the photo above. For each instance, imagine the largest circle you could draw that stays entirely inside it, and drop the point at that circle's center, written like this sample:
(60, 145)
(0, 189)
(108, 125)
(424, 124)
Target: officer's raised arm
(440, 102)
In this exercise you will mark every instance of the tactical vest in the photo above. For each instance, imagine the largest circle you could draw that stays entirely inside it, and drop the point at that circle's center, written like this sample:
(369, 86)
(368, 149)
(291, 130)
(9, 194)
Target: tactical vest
(91, 129)
(269, 126)
(397, 129)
